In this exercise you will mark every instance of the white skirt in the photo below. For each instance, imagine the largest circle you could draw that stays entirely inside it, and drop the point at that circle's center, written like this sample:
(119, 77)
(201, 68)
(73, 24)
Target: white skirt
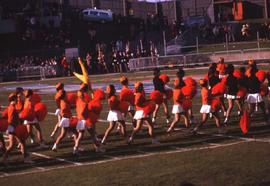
(81, 125)
(26, 122)
(64, 123)
(254, 98)
(57, 112)
(115, 115)
(228, 96)
(205, 109)
(10, 129)
(139, 114)
(177, 109)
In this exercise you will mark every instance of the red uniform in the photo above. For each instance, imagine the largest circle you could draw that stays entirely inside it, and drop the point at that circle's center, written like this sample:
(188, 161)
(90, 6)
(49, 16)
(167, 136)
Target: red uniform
(65, 109)
(113, 103)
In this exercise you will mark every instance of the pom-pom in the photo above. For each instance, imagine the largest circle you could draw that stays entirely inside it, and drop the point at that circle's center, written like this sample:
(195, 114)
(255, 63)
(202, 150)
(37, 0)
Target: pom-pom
(189, 92)
(127, 95)
(186, 104)
(242, 92)
(219, 89)
(190, 82)
(36, 98)
(238, 74)
(264, 90)
(41, 111)
(149, 107)
(261, 75)
(157, 97)
(95, 106)
(165, 78)
(99, 94)
(5, 113)
(93, 118)
(123, 106)
(245, 122)
(21, 132)
(3, 125)
(169, 93)
(27, 114)
(73, 122)
(215, 104)
(71, 98)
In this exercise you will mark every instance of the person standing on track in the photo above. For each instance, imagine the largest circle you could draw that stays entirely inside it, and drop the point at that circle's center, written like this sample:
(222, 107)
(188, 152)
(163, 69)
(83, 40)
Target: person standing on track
(114, 116)
(140, 115)
(13, 122)
(65, 118)
(232, 89)
(160, 86)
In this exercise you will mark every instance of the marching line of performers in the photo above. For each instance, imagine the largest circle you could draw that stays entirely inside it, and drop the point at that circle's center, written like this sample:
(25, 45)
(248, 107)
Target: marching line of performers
(244, 87)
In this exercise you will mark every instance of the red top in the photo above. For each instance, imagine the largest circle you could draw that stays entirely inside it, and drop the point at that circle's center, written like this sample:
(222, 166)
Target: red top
(13, 115)
(205, 96)
(177, 96)
(113, 102)
(139, 100)
(65, 109)
(81, 109)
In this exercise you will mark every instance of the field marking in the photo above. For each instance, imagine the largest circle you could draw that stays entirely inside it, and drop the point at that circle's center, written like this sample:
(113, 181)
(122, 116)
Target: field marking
(54, 158)
(146, 154)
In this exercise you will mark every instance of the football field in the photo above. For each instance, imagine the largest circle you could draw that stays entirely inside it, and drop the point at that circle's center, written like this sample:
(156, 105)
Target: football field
(181, 158)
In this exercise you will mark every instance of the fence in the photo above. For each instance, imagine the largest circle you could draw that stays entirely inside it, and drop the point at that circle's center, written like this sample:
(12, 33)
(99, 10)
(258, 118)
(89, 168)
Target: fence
(36, 72)
(198, 59)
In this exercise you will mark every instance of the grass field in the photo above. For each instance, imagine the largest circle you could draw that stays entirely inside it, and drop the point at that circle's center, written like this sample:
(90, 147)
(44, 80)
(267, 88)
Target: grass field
(180, 159)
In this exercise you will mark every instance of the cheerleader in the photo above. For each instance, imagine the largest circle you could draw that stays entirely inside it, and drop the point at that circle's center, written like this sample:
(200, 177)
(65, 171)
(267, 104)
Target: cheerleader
(232, 89)
(160, 86)
(213, 79)
(65, 113)
(140, 116)
(254, 98)
(59, 87)
(13, 122)
(221, 68)
(177, 110)
(114, 116)
(206, 107)
(28, 104)
(20, 99)
(131, 109)
(82, 115)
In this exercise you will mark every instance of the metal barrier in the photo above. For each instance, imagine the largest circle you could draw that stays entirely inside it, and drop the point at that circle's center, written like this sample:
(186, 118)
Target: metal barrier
(35, 72)
(198, 59)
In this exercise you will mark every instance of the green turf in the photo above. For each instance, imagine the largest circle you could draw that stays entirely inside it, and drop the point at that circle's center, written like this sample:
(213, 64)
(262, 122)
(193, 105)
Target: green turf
(243, 164)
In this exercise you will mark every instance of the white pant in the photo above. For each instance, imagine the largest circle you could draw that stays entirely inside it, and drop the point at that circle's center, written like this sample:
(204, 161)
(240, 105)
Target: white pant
(81, 125)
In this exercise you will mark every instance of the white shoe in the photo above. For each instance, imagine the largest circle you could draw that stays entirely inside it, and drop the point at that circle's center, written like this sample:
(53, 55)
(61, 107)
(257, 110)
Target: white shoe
(75, 151)
(153, 120)
(32, 141)
(226, 120)
(210, 115)
(54, 148)
(167, 121)
(155, 141)
(130, 140)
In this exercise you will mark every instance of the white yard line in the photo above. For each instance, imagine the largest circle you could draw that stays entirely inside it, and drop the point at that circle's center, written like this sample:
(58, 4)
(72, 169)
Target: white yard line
(59, 159)
(181, 150)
